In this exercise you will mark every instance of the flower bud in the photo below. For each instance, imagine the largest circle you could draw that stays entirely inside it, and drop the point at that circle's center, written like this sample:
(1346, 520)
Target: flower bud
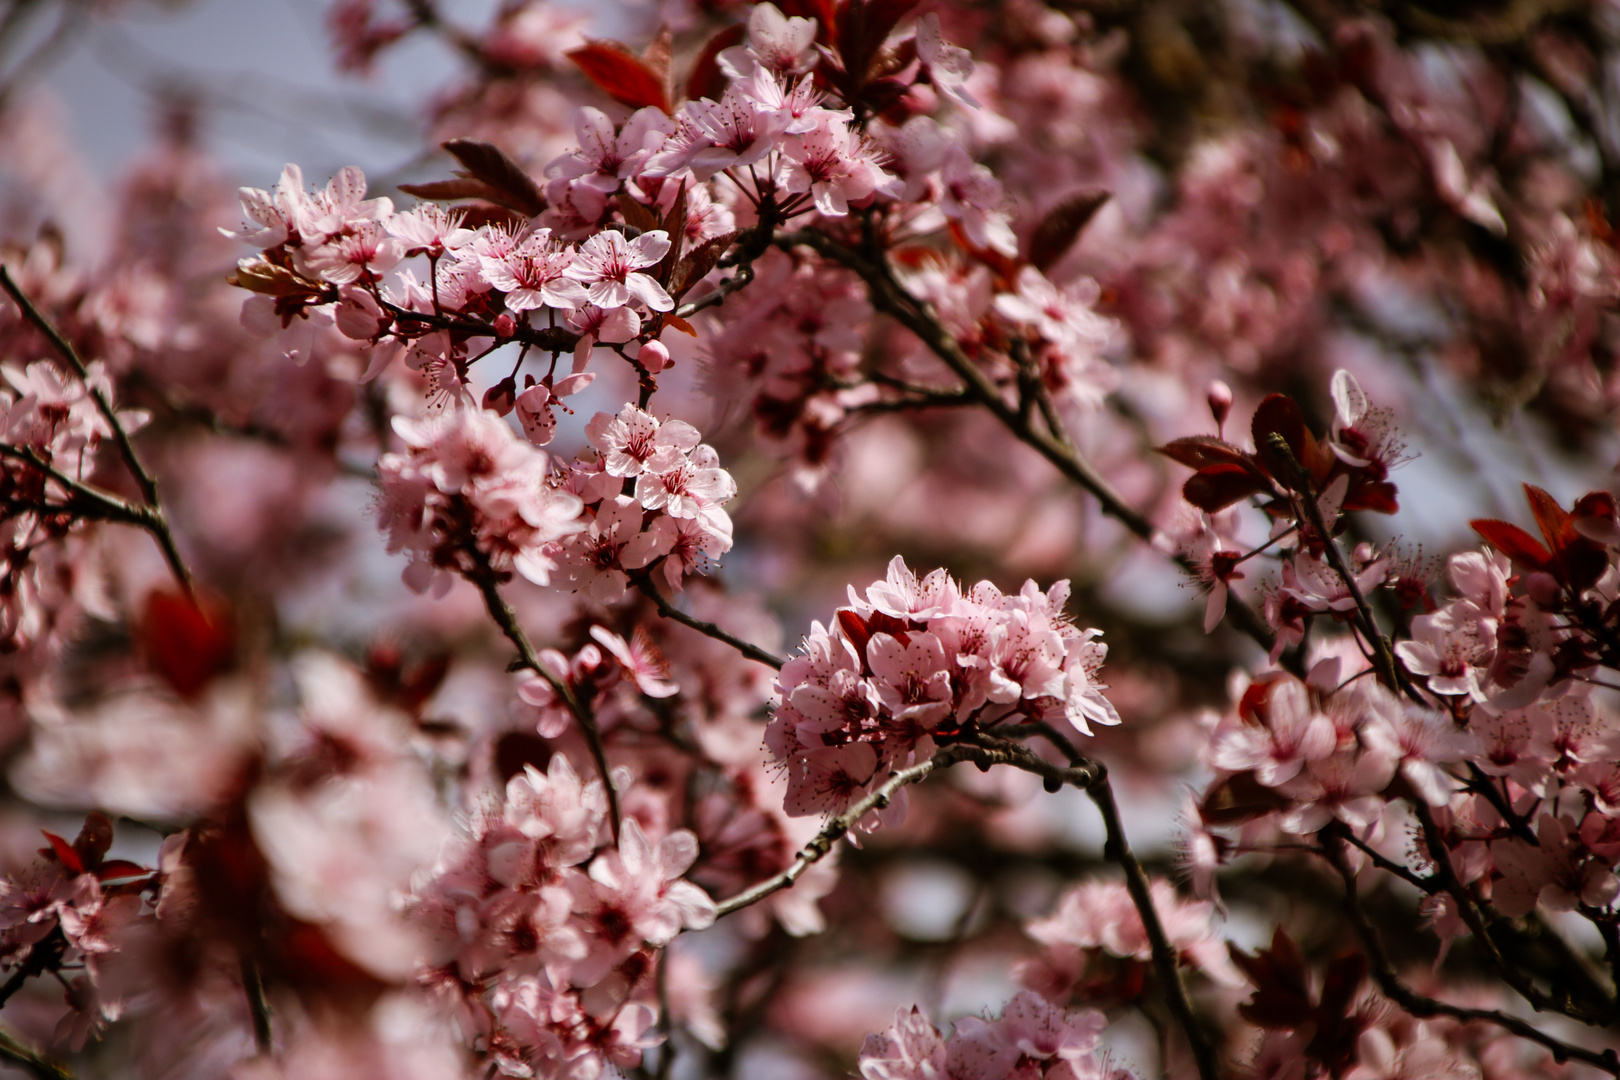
(654, 357)
(499, 398)
(1220, 402)
(505, 325)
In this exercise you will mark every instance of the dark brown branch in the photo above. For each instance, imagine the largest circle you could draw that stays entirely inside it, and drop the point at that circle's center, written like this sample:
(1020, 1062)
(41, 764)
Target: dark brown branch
(643, 581)
(1425, 1007)
(1165, 962)
(253, 988)
(506, 619)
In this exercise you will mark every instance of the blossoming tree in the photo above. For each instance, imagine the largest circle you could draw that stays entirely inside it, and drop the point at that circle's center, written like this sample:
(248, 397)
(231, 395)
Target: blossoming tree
(492, 627)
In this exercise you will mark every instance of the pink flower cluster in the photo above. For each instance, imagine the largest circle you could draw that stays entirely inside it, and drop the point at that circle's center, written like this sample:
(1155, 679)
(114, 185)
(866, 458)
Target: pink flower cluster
(551, 934)
(920, 662)
(467, 491)
(653, 496)
(75, 910)
(1096, 926)
(1031, 1040)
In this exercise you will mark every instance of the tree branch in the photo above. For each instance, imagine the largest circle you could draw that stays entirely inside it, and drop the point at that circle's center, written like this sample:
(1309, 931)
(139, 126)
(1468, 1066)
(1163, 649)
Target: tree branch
(643, 581)
(889, 297)
(150, 516)
(1424, 1007)
(506, 619)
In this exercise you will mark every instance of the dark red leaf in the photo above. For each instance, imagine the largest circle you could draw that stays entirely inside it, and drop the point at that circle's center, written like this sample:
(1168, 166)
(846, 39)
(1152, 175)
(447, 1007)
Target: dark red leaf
(1279, 414)
(1343, 980)
(187, 642)
(854, 628)
(64, 852)
(1554, 521)
(1237, 799)
(1219, 486)
(117, 869)
(94, 839)
(636, 215)
(707, 80)
(1513, 542)
(1379, 497)
(1061, 226)
(622, 75)
(462, 187)
(1198, 451)
(514, 188)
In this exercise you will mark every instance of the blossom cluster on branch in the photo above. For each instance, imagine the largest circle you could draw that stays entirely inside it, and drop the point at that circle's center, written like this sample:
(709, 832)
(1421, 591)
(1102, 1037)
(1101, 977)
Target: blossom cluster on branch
(1124, 297)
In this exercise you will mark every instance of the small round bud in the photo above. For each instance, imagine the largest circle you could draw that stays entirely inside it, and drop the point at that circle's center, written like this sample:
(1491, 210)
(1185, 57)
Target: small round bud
(654, 357)
(505, 325)
(1220, 402)
(500, 398)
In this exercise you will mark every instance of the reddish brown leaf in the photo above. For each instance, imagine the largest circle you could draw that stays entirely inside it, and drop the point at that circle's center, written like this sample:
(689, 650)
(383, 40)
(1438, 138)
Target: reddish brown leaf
(1513, 542)
(697, 264)
(1197, 451)
(674, 226)
(863, 27)
(1061, 227)
(462, 187)
(487, 162)
(1237, 799)
(675, 322)
(636, 215)
(1279, 414)
(1553, 520)
(1219, 486)
(707, 80)
(622, 75)
(657, 56)
(94, 839)
(64, 852)
(187, 642)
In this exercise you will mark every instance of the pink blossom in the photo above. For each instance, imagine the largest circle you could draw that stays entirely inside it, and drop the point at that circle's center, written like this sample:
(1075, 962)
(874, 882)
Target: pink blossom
(537, 272)
(949, 66)
(835, 166)
(608, 266)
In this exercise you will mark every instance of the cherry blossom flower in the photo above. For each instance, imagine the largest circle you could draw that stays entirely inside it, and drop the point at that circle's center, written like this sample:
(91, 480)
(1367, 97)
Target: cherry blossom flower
(608, 266)
(537, 272)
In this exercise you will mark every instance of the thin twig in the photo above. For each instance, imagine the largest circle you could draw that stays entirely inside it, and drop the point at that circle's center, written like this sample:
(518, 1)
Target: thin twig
(1425, 1007)
(150, 516)
(917, 315)
(1165, 961)
(14, 1050)
(143, 479)
(253, 988)
(643, 581)
(506, 619)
